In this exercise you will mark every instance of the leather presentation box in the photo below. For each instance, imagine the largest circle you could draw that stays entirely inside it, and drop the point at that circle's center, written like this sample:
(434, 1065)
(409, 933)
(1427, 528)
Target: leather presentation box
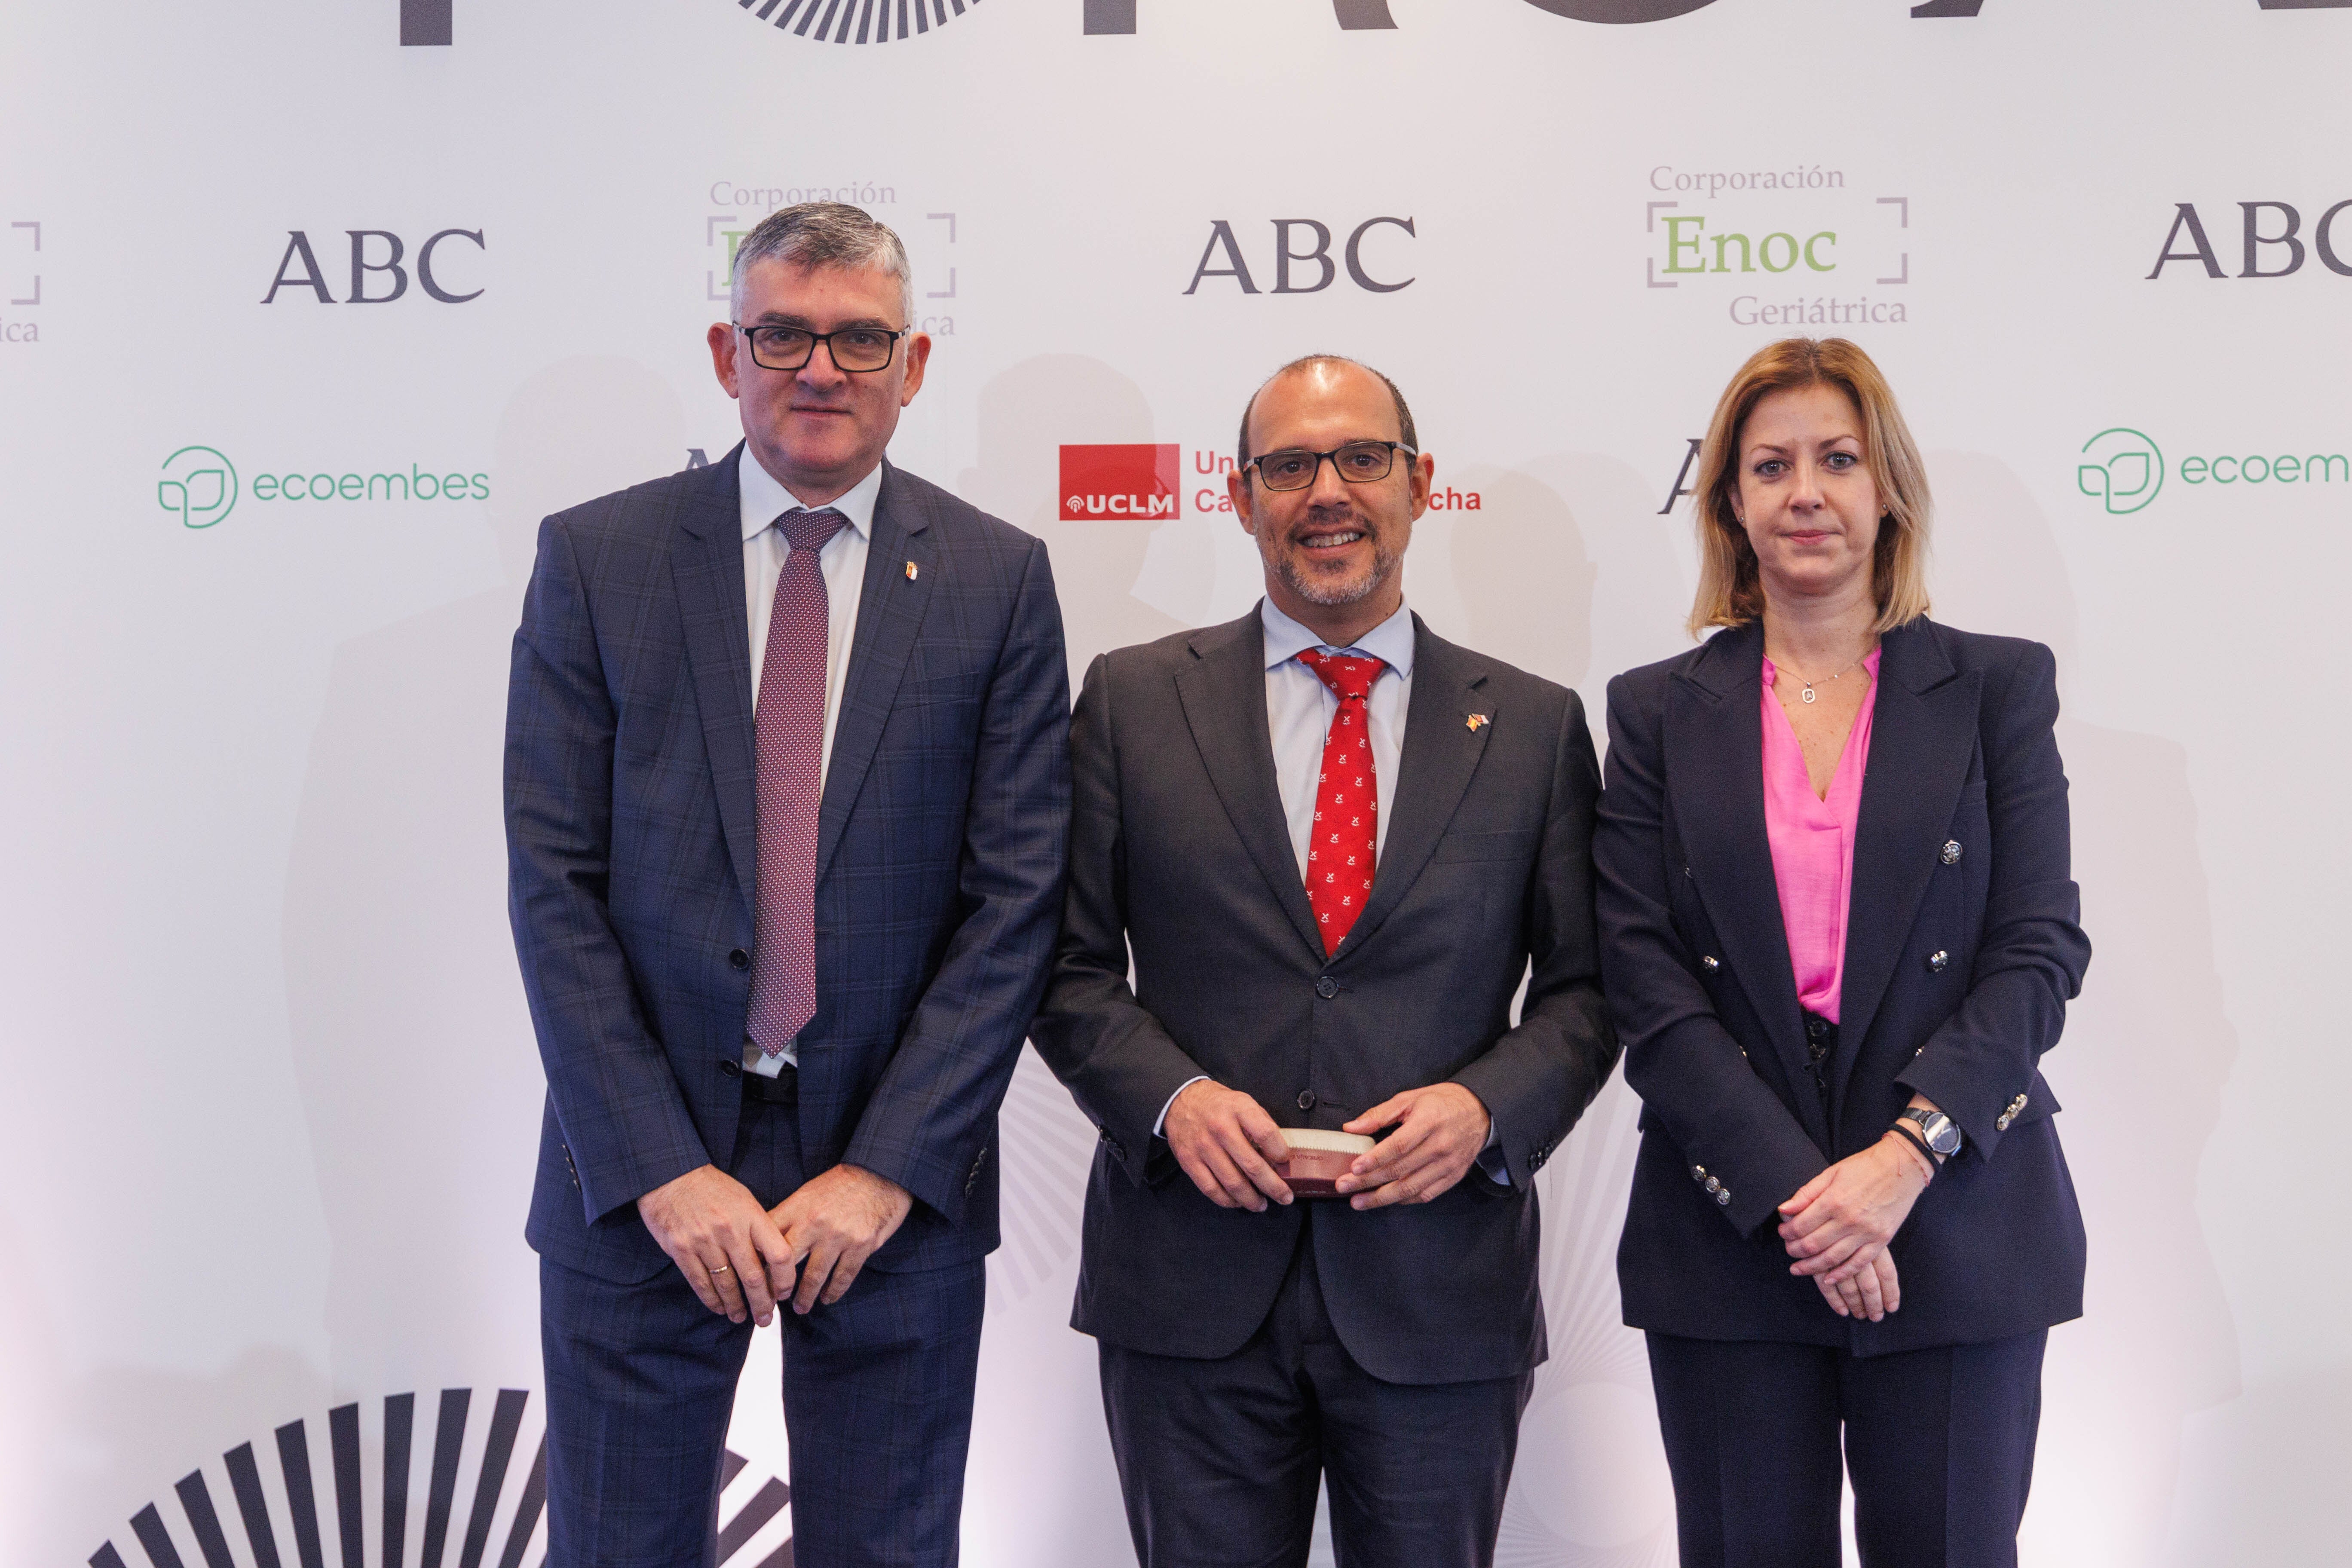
(1318, 1158)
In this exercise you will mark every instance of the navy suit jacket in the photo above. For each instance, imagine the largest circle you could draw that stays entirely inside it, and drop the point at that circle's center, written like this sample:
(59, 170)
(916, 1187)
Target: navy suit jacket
(1182, 859)
(630, 793)
(1962, 950)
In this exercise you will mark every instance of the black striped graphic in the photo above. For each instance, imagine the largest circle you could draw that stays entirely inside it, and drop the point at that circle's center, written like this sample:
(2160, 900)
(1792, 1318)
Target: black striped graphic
(503, 1501)
(857, 21)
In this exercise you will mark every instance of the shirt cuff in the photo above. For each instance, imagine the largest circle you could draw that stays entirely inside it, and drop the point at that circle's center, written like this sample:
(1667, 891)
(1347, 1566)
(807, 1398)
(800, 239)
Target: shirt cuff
(1162, 1121)
(1491, 1158)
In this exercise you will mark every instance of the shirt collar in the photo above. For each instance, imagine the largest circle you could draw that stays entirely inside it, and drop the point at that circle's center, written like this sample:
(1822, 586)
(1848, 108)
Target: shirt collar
(764, 499)
(1390, 642)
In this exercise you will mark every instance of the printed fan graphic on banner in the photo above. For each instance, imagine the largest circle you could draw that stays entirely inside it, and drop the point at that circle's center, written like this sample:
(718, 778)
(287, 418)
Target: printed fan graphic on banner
(505, 1503)
(857, 21)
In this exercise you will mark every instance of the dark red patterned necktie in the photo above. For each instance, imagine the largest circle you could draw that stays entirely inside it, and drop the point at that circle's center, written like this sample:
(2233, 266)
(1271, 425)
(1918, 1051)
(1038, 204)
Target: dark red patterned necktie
(791, 767)
(1346, 800)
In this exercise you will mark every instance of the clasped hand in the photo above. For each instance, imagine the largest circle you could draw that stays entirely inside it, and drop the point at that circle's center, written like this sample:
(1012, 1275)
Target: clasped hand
(1229, 1146)
(744, 1260)
(1838, 1225)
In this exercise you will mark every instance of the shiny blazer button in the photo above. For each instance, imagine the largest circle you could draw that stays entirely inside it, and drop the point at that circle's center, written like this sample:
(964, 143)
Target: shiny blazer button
(1713, 1185)
(1938, 961)
(1723, 1198)
(1710, 964)
(731, 1068)
(1306, 1100)
(739, 959)
(2002, 1125)
(1699, 1173)
(1327, 987)
(1952, 856)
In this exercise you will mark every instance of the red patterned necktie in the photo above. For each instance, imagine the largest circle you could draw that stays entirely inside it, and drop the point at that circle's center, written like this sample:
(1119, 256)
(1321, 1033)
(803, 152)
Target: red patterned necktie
(791, 758)
(1347, 799)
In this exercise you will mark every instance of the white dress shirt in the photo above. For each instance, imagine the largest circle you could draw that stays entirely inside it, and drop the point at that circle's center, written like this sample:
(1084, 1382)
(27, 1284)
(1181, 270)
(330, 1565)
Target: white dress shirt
(843, 562)
(1298, 712)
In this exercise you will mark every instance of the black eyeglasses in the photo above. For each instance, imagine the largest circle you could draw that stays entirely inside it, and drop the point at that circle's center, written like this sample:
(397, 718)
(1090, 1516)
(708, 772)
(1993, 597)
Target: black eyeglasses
(855, 349)
(1357, 462)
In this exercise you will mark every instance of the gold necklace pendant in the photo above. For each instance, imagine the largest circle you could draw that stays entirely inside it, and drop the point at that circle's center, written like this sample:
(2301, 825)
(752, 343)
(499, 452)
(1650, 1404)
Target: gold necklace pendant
(1808, 693)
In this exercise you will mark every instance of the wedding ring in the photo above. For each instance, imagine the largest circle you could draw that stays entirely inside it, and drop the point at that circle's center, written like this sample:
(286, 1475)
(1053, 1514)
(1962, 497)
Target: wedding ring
(722, 1268)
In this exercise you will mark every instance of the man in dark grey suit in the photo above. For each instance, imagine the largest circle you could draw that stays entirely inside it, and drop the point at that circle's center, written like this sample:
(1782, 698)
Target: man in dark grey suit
(787, 802)
(1333, 845)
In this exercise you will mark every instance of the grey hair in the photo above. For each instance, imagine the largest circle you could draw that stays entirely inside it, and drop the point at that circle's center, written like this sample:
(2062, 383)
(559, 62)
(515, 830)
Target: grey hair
(825, 233)
(1405, 432)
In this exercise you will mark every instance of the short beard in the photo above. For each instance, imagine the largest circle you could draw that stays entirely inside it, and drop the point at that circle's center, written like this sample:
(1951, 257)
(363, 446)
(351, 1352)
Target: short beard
(1332, 596)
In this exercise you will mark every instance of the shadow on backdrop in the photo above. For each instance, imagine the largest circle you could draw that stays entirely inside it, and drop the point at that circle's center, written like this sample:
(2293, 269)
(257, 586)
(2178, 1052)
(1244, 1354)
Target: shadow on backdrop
(1565, 571)
(1026, 414)
(411, 1042)
(2140, 1068)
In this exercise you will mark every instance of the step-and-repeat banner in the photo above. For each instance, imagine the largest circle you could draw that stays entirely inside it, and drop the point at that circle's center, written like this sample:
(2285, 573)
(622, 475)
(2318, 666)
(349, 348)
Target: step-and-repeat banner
(310, 312)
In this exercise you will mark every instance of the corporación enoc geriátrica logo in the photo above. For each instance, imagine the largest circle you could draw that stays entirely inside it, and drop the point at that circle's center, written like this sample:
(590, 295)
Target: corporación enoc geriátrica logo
(2124, 470)
(1800, 244)
(931, 248)
(199, 485)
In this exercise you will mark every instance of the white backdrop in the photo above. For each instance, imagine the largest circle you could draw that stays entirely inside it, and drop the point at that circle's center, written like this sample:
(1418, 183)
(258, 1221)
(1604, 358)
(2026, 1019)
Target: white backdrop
(270, 1093)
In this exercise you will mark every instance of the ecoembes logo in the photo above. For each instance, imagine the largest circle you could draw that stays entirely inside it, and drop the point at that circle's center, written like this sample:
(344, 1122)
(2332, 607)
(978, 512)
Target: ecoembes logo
(200, 485)
(1119, 481)
(2124, 470)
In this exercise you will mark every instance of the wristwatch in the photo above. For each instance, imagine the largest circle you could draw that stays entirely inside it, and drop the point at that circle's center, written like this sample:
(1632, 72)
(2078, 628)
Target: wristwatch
(1940, 1132)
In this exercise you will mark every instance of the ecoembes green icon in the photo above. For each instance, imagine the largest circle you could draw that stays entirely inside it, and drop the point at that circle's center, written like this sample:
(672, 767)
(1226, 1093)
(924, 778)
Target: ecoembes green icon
(2124, 472)
(198, 487)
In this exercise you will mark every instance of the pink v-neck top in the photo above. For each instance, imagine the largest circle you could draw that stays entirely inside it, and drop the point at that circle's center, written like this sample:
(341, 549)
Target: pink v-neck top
(1812, 844)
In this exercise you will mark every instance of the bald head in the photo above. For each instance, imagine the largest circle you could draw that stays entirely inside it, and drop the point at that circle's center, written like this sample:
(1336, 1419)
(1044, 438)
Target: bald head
(1326, 373)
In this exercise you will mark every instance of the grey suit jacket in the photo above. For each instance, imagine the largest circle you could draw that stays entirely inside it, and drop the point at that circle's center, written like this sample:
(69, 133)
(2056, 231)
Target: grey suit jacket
(1181, 855)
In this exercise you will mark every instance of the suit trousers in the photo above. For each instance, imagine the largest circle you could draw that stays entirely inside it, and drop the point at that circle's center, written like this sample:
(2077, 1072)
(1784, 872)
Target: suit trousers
(1220, 1460)
(877, 1404)
(1938, 1442)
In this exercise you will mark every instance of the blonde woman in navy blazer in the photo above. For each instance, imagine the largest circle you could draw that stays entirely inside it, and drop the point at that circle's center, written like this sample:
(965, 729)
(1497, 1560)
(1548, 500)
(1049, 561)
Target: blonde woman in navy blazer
(1851, 1225)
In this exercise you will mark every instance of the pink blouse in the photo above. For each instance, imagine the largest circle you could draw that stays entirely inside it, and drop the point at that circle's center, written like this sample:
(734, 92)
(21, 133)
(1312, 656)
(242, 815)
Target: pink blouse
(1812, 844)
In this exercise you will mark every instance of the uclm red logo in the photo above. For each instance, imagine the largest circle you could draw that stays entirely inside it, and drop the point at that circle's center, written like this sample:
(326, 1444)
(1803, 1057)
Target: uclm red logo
(1101, 482)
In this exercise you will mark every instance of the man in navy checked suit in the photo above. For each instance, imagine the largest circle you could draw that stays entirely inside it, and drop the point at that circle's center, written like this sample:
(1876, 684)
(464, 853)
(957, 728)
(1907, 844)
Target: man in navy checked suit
(787, 793)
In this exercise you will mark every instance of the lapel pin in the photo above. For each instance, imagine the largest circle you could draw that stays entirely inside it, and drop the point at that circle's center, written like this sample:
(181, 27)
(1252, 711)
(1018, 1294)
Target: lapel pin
(1475, 722)
(912, 572)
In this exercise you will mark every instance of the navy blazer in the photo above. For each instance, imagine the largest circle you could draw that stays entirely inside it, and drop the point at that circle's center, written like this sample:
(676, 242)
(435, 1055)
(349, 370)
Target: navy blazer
(1183, 865)
(1963, 948)
(941, 840)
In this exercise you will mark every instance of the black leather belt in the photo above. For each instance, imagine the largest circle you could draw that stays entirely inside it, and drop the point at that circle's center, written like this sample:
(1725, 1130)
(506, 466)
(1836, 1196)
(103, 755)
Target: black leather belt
(784, 1088)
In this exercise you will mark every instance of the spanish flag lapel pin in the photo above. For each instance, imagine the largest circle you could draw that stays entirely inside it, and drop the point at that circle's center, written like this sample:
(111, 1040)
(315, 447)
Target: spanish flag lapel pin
(913, 572)
(1475, 723)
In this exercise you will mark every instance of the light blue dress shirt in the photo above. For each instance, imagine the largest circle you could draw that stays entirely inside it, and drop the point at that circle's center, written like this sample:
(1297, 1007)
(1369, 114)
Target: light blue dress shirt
(1299, 712)
(1299, 707)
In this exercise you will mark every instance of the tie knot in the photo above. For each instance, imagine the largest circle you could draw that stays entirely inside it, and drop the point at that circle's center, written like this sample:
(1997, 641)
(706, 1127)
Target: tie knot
(1349, 675)
(811, 529)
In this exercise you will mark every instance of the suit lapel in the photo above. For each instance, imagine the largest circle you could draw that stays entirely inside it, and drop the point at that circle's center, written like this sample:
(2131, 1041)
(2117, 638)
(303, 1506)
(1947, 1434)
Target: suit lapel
(1715, 768)
(1922, 734)
(1224, 695)
(1441, 753)
(706, 574)
(889, 613)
